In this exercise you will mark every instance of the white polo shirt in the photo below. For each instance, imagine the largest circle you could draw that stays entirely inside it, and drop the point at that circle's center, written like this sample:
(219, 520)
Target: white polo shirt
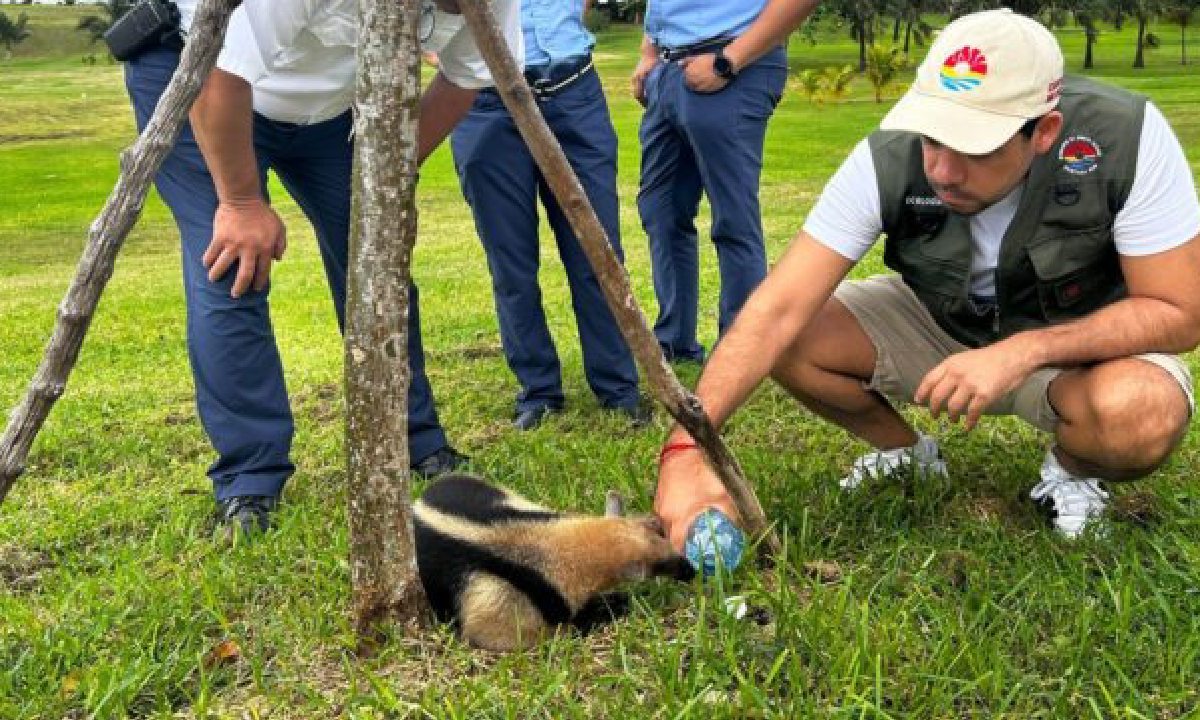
(299, 55)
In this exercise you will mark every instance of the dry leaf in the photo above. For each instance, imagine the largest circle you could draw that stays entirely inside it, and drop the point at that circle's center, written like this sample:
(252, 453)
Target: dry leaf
(225, 652)
(70, 684)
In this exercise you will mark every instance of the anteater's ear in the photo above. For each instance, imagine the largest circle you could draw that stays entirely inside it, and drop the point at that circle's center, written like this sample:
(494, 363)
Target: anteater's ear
(614, 504)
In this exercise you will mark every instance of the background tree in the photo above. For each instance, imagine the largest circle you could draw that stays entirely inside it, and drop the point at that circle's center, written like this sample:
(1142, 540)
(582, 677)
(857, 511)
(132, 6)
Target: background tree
(861, 15)
(1143, 11)
(96, 25)
(1086, 14)
(1181, 13)
(12, 33)
(915, 27)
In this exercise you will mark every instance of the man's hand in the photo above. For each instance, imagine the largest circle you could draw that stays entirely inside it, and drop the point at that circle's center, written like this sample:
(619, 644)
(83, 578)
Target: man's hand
(699, 75)
(687, 486)
(250, 234)
(966, 384)
(638, 80)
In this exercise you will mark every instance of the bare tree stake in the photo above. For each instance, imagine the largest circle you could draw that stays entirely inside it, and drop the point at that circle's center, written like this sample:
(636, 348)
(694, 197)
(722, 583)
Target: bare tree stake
(139, 163)
(548, 154)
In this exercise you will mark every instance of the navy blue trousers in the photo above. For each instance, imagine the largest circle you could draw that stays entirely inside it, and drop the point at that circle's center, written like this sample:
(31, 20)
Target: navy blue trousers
(240, 393)
(711, 143)
(502, 184)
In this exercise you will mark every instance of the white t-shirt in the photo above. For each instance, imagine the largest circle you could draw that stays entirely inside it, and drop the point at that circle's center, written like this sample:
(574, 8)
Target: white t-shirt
(299, 55)
(1162, 211)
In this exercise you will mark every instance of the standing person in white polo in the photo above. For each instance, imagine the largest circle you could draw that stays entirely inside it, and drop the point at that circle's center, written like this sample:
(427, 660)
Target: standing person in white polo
(280, 99)
(1045, 234)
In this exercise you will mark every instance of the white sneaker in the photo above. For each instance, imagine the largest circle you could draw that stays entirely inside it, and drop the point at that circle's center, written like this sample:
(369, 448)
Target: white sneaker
(1075, 502)
(924, 459)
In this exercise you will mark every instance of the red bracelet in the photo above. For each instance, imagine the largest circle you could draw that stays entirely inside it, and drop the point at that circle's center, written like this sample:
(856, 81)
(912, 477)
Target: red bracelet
(675, 447)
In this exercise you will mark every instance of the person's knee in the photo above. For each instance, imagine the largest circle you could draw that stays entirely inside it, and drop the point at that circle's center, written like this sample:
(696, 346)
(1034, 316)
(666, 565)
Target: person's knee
(833, 343)
(1139, 416)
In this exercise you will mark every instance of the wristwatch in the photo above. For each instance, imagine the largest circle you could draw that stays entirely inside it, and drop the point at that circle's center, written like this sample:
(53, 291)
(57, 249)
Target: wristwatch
(723, 67)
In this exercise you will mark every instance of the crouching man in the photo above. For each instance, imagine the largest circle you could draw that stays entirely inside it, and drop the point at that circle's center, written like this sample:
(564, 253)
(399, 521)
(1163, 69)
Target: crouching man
(1043, 232)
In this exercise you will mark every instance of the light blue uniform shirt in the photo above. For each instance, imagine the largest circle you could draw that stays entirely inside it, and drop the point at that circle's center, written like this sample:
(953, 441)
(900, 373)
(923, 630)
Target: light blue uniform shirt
(675, 23)
(554, 31)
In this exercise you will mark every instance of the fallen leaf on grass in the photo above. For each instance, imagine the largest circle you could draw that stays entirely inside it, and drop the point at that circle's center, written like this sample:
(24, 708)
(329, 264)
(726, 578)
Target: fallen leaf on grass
(70, 684)
(223, 653)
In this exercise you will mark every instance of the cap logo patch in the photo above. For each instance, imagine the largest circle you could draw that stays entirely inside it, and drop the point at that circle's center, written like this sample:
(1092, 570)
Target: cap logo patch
(1054, 90)
(964, 69)
(1079, 155)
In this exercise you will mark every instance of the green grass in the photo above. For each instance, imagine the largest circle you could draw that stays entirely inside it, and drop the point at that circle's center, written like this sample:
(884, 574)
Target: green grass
(948, 600)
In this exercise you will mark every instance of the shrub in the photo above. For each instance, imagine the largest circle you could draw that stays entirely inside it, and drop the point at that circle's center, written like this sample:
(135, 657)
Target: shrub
(597, 20)
(883, 65)
(828, 84)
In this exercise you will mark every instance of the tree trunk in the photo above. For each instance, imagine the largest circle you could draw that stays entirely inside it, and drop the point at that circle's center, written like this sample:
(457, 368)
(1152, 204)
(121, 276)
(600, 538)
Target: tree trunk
(862, 45)
(383, 566)
(1139, 60)
(107, 234)
(896, 30)
(907, 36)
(1087, 52)
(548, 154)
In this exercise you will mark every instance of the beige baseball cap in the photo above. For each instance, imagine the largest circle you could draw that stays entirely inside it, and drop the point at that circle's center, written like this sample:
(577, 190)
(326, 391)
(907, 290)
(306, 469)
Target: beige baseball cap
(985, 75)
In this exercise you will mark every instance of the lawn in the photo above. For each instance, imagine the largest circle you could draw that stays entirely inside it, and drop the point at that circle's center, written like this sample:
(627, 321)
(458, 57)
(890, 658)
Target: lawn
(948, 599)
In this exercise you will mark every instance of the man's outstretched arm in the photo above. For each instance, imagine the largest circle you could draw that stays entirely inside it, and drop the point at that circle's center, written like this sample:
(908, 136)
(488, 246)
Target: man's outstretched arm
(767, 325)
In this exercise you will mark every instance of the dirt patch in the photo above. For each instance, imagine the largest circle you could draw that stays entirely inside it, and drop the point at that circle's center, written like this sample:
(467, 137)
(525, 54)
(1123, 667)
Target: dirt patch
(34, 137)
(474, 351)
(21, 570)
(1139, 507)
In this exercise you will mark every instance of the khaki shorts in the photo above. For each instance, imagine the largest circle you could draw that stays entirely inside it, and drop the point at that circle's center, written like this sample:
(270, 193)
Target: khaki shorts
(909, 343)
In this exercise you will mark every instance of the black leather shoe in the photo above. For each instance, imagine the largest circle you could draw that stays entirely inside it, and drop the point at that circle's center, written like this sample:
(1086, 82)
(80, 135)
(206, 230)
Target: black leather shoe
(639, 415)
(247, 514)
(444, 460)
(531, 418)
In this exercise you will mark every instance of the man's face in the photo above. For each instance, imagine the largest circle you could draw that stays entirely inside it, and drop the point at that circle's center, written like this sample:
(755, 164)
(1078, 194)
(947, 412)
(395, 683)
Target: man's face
(967, 184)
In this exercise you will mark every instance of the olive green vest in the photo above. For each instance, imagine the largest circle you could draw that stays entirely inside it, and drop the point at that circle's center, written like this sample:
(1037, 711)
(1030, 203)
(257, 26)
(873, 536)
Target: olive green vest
(1057, 259)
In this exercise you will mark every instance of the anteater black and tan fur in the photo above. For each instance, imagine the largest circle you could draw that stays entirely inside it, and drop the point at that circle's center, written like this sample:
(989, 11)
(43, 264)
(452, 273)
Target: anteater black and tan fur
(508, 571)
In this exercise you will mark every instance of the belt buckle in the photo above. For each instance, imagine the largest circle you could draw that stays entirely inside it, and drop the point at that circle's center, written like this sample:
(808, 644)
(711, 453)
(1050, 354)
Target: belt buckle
(539, 87)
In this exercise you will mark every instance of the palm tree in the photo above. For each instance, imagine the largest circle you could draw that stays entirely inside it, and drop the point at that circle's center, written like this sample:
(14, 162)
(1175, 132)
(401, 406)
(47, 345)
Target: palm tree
(915, 27)
(95, 25)
(1181, 13)
(13, 33)
(883, 65)
(1087, 15)
(1143, 11)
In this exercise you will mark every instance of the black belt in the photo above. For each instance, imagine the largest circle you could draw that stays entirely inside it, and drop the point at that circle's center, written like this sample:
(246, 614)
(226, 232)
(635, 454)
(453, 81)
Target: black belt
(545, 86)
(548, 84)
(669, 54)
